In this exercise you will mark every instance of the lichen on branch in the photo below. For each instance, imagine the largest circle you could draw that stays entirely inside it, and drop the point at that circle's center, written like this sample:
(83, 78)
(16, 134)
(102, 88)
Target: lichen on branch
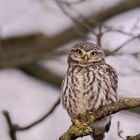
(86, 120)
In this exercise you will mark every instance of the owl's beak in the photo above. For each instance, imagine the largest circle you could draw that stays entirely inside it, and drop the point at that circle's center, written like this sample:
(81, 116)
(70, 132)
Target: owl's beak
(85, 58)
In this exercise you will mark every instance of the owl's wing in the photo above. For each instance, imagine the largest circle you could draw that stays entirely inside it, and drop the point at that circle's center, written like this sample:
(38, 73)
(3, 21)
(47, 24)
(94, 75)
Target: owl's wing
(113, 75)
(64, 86)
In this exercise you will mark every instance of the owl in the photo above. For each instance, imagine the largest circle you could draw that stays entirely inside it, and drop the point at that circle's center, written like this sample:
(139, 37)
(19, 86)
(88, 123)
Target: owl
(89, 84)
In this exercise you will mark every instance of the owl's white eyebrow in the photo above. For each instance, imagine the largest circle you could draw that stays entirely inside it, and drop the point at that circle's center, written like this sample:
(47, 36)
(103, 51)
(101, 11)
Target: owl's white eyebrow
(82, 50)
(95, 51)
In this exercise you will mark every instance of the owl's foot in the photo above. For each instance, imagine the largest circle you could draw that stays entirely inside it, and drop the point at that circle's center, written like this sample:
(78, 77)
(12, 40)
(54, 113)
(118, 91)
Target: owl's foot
(90, 113)
(76, 122)
(90, 116)
(80, 128)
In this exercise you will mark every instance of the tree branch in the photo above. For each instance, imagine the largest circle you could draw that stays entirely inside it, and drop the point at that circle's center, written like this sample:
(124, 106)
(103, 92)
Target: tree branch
(19, 128)
(22, 50)
(125, 43)
(76, 131)
(43, 74)
(14, 128)
(12, 131)
(115, 51)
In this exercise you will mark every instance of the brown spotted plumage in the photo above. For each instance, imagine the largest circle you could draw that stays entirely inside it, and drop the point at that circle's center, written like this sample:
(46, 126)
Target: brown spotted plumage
(89, 84)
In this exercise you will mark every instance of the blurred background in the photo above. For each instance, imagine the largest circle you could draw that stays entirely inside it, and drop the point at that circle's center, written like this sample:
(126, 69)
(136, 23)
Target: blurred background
(35, 36)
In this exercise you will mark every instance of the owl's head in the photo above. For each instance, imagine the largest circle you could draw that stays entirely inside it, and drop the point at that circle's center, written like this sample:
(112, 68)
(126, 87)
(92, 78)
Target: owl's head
(85, 53)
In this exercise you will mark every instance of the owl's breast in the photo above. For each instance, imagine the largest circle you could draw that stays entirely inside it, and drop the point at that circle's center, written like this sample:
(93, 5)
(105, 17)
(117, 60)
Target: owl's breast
(81, 80)
(87, 89)
(82, 90)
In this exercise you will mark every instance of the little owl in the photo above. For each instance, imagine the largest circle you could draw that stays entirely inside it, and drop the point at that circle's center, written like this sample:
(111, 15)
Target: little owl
(89, 84)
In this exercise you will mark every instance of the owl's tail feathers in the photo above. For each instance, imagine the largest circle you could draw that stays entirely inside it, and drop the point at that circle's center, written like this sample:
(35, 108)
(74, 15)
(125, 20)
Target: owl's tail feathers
(98, 137)
(99, 133)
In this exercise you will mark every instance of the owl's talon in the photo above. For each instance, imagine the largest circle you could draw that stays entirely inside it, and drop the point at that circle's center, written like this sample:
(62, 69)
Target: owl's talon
(90, 112)
(76, 122)
(84, 124)
(85, 129)
(80, 126)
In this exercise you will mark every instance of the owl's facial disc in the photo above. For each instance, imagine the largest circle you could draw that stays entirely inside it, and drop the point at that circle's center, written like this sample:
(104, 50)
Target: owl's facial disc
(86, 57)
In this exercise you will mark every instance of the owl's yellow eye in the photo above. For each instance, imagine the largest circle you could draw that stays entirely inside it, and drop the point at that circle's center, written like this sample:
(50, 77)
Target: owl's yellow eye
(79, 52)
(93, 54)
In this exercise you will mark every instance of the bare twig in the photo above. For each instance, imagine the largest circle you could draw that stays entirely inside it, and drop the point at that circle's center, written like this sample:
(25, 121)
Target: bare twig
(99, 36)
(41, 119)
(76, 131)
(80, 25)
(123, 45)
(14, 128)
(136, 137)
(12, 131)
(136, 25)
(87, 26)
(112, 29)
(18, 51)
(119, 131)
